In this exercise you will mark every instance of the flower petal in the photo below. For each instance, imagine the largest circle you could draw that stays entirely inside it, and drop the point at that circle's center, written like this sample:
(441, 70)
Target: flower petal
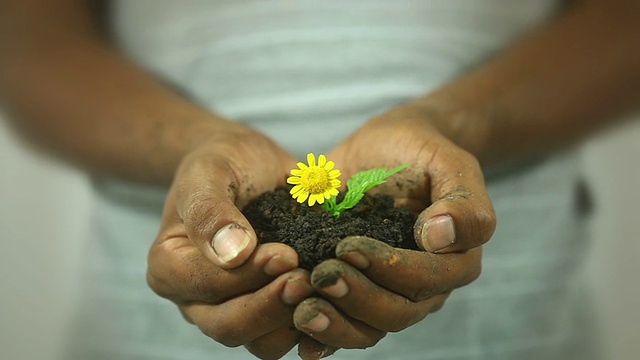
(293, 180)
(302, 166)
(294, 190)
(302, 196)
(333, 192)
(296, 172)
(327, 194)
(333, 174)
(335, 183)
(322, 160)
(329, 165)
(311, 159)
(315, 198)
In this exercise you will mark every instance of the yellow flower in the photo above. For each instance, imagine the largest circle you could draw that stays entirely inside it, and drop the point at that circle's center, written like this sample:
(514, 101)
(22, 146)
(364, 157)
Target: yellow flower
(315, 182)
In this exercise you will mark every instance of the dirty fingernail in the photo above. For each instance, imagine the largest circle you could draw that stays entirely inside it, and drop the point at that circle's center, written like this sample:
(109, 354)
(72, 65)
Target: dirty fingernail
(321, 352)
(438, 233)
(295, 291)
(325, 352)
(229, 241)
(337, 290)
(356, 259)
(317, 324)
(278, 265)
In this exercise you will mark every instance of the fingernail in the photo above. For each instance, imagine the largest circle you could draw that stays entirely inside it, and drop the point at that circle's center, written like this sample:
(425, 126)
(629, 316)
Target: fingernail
(356, 259)
(438, 233)
(295, 291)
(325, 350)
(278, 265)
(337, 290)
(229, 241)
(318, 324)
(320, 352)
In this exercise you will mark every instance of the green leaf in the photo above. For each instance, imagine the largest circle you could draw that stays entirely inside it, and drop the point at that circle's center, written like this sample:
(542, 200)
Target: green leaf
(358, 184)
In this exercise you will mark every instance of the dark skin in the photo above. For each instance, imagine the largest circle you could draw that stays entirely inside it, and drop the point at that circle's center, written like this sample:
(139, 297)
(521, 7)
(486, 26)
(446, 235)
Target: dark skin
(494, 114)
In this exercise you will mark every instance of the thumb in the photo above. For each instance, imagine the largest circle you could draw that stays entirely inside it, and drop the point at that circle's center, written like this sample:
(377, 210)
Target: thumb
(461, 216)
(205, 202)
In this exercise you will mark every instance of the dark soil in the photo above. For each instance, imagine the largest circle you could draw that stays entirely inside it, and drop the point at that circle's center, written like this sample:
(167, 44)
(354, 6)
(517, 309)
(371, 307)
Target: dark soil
(314, 233)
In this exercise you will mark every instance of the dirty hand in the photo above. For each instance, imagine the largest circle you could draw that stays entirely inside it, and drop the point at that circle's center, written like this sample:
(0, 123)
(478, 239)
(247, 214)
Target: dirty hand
(206, 258)
(445, 185)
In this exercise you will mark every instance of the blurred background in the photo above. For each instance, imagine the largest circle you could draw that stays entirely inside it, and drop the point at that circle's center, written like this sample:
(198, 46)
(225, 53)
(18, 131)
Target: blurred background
(44, 206)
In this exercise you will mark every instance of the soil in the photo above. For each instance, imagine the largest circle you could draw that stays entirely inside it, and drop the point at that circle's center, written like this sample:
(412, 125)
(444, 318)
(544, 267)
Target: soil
(314, 232)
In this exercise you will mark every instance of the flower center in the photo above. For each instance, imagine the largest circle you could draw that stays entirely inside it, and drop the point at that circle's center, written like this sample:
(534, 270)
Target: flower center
(315, 180)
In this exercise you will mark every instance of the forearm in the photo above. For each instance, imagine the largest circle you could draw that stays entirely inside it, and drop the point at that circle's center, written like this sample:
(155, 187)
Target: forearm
(72, 92)
(548, 90)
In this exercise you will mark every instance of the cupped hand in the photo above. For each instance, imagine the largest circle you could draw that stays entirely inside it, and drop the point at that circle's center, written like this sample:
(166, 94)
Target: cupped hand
(443, 182)
(400, 287)
(445, 185)
(206, 258)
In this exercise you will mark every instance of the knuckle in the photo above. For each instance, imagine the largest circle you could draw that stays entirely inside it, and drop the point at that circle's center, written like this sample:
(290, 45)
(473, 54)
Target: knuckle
(474, 273)
(152, 278)
(371, 340)
(359, 342)
(186, 316)
(272, 352)
(472, 270)
(201, 215)
(176, 273)
(438, 303)
(437, 307)
(157, 285)
(401, 322)
(427, 283)
(225, 334)
(468, 160)
(487, 221)
(265, 316)
(156, 272)
(482, 225)
(423, 292)
(471, 160)
(414, 313)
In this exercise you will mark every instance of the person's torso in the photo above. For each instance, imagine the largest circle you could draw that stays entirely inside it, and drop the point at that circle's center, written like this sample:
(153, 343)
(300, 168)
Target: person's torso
(293, 67)
(308, 73)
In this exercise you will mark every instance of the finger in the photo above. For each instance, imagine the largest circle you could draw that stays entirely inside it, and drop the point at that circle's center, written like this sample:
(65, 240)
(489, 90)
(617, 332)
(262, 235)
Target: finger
(415, 275)
(347, 289)
(311, 349)
(461, 215)
(320, 320)
(275, 344)
(248, 317)
(205, 196)
(178, 271)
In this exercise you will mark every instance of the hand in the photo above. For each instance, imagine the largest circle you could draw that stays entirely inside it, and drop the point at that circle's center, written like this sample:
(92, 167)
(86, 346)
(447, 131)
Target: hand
(446, 185)
(443, 182)
(206, 258)
(400, 287)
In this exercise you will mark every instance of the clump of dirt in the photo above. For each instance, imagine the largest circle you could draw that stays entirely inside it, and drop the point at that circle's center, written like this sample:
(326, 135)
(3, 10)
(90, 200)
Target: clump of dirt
(314, 232)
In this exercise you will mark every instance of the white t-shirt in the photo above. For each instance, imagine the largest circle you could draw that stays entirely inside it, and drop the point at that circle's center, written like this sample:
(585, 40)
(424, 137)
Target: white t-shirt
(307, 73)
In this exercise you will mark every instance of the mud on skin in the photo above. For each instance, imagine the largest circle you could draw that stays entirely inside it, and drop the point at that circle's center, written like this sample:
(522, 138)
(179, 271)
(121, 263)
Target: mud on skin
(314, 233)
